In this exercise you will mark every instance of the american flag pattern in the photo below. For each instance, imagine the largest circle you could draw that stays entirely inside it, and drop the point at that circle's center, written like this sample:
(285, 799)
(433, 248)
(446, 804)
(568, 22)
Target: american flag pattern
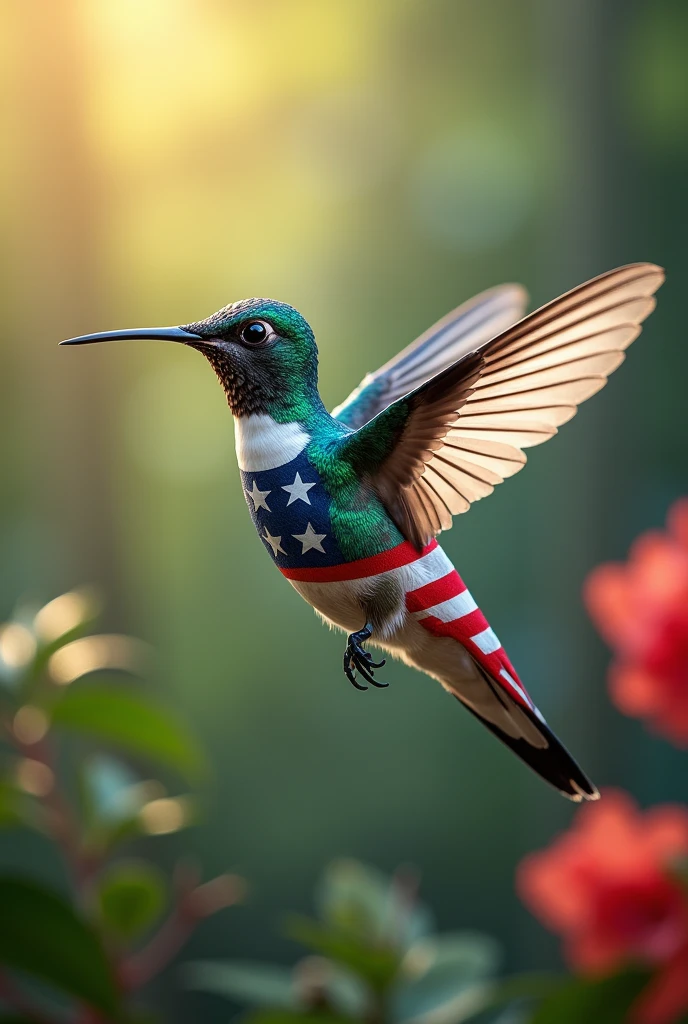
(290, 508)
(446, 607)
(435, 596)
(431, 619)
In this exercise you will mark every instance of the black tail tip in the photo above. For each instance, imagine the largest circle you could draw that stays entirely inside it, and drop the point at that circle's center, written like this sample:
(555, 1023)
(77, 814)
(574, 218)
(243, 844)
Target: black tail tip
(578, 793)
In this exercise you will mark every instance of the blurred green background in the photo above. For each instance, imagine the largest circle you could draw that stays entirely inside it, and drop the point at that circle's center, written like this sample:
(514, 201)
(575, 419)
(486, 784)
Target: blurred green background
(374, 164)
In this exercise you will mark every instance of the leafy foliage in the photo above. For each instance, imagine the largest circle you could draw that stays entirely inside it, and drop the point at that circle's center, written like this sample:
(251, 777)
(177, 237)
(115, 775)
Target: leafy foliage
(51, 679)
(373, 954)
(578, 999)
(131, 721)
(253, 984)
(41, 934)
(131, 895)
(376, 959)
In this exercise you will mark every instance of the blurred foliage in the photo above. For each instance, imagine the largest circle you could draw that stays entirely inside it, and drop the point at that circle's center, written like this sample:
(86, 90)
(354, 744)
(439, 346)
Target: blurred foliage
(375, 957)
(95, 942)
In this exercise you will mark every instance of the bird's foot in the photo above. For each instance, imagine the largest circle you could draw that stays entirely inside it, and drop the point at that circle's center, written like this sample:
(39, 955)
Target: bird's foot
(356, 659)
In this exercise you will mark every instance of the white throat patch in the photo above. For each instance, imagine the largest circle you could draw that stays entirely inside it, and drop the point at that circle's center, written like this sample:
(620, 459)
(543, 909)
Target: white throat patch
(262, 443)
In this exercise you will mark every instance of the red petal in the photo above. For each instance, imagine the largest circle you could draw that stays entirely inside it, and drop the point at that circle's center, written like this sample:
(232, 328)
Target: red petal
(608, 598)
(634, 690)
(666, 997)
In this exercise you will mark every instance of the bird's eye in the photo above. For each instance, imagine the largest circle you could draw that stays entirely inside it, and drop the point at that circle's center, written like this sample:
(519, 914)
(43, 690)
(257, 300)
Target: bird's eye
(256, 332)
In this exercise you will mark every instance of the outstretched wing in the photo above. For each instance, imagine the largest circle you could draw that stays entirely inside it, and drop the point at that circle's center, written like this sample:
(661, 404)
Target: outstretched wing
(449, 442)
(463, 330)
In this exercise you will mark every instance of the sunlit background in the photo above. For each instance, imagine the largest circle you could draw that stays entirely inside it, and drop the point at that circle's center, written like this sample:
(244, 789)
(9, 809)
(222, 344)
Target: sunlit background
(374, 164)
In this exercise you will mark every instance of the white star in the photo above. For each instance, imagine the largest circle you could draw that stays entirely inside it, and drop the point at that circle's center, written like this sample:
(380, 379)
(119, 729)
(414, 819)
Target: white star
(310, 539)
(298, 490)
(258, 497)
(274, 542)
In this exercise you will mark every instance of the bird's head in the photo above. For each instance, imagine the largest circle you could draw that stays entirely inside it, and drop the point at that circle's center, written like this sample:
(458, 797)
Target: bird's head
(263, 352)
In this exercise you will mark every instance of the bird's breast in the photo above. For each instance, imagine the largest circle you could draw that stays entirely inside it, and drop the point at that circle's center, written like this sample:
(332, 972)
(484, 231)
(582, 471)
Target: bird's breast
(264, 444)
(304, 516)
(291, 510)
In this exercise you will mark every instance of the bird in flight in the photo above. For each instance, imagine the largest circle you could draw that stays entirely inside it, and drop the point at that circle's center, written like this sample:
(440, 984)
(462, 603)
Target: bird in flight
(348, 504)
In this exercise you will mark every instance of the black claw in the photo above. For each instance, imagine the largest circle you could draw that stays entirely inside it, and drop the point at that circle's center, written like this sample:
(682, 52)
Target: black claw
(365, 667)
(361, 667)
(375, 664)
(356, 659)
(349, 672)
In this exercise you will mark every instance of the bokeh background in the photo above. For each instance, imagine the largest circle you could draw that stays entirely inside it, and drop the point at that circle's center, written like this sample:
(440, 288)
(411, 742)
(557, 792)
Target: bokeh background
(374, 164)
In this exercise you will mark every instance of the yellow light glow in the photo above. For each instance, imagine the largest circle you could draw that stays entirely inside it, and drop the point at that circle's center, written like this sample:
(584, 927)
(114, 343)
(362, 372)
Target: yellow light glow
(94, 654)
(30, 724)
(166, 815)
(17, 645)
(34, 777)
(65, 613)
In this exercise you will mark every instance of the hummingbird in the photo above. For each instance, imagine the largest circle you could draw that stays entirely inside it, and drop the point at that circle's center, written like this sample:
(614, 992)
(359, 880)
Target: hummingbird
(349, 504)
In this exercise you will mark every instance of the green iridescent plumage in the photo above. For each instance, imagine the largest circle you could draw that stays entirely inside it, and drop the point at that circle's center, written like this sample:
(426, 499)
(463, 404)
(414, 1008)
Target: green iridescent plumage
(287, 376)
(360, 522)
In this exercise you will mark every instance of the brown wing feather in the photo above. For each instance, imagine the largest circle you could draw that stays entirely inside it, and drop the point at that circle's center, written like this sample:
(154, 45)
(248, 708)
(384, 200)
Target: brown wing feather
(415, 505)
(469, 424)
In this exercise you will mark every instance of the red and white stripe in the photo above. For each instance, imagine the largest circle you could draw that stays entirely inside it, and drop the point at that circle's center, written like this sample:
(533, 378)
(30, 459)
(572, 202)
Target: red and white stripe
(437, 598)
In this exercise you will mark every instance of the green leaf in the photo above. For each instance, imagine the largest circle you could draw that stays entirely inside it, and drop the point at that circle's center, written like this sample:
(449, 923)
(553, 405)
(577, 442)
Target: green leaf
(11, 806)
(131, 895)
(592, 999)
(446, 976)
(369, 905)
(516, 990)
(41, 934)
(244, 981)
(293, 1017)
(17, 1020)
(131, 721)
(276, 988)
(378, 965)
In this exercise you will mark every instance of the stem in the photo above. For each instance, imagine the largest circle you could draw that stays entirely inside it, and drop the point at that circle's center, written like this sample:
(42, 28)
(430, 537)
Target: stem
(62, 824)
(377, 1013)
(193, 903)
(141, 967)
(87, 1015)
(63, 828)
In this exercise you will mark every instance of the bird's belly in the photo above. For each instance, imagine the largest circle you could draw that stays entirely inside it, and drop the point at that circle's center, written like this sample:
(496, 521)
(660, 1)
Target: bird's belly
(339, 603)
(436, 624)
(342, 604)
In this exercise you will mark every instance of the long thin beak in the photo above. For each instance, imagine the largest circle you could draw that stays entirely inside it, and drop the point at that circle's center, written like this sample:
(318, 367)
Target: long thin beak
(153, 333)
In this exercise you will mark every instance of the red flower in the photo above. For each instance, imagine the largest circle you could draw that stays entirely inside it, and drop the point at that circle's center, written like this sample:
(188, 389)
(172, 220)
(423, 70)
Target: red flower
(641, 609)
(605, 887)
(666, 997)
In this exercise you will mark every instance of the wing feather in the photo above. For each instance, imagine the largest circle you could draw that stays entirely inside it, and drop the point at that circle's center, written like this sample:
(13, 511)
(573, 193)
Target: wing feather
(464, 436)
(463, 330)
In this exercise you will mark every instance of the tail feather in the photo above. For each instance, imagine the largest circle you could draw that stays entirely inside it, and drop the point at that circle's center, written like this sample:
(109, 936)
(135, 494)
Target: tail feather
(549, 759)
(486, 682)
